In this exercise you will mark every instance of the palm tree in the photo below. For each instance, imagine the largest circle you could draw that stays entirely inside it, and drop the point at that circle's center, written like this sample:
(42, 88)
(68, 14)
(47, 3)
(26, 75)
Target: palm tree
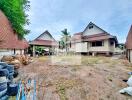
(65, 38)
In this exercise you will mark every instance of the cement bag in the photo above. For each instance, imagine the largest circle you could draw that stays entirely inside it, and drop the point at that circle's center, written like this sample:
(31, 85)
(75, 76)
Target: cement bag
(127, 90)
(129, 82)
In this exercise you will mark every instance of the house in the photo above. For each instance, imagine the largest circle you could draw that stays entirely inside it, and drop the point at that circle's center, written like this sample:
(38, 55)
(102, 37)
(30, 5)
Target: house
(93, 40)
(129, 45)
(44, 40)
(9, 42)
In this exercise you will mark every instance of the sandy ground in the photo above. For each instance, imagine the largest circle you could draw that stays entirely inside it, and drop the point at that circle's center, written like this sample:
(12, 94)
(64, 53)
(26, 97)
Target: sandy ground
(63, 78)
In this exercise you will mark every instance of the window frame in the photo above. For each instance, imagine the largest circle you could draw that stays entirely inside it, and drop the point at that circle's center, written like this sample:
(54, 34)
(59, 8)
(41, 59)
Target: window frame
(96, 44)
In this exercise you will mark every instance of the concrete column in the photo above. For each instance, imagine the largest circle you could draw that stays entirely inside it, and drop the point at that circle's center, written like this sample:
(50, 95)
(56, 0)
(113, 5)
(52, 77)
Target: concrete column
(33, 51)
(93, 53)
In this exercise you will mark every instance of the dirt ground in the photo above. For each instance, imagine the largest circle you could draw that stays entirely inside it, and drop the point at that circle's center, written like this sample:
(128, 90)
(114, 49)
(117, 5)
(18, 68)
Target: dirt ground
(78, 78)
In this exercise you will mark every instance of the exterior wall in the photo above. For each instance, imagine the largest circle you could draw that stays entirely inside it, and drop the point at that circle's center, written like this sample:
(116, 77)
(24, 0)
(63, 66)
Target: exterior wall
(129, 55)
(94, 30)
(85, 47)
(100, 48)
(19, 51)
(5, 52)
(81, 47)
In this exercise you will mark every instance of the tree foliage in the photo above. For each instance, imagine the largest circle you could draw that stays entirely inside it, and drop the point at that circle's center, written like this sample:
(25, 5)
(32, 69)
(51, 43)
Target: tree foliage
(15, 12)
(65, 38)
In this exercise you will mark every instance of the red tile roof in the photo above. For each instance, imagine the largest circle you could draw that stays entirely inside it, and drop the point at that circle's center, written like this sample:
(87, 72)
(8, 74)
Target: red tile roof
(43, 42)
(129, 39)
(8, 39)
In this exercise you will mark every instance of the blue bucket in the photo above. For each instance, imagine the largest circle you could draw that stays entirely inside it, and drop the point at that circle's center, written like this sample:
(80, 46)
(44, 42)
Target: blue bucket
(12, 89)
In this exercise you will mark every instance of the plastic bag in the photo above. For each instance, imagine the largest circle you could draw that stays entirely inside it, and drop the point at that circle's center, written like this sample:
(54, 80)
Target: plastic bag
(127, 90)
(129, 82)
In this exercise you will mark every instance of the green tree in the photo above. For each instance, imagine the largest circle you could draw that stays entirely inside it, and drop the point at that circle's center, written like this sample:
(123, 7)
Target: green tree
(65, 38)
(15, 12)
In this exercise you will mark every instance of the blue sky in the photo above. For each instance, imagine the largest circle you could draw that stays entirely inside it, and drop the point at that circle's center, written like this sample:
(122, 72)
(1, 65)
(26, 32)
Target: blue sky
(114, 16)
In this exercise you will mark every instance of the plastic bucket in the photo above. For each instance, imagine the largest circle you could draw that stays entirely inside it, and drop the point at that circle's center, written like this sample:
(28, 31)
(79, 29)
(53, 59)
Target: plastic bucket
(12, 89)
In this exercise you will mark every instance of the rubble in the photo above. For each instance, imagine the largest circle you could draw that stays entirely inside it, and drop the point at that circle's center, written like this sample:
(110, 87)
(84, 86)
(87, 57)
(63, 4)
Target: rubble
(17, 60)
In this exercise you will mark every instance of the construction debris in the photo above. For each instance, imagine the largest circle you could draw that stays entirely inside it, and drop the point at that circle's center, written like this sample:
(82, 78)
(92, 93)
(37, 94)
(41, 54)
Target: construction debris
(17, 60)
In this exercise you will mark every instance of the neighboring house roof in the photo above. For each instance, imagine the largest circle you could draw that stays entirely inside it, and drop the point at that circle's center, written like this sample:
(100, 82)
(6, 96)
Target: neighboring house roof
(92, 37)
(79, 33)
(43, 43)
(9, 39)
(45, 39)
(129, 39)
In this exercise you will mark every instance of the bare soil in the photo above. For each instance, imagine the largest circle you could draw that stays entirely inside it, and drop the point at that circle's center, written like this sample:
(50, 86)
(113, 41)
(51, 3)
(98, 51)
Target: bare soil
(94, 78)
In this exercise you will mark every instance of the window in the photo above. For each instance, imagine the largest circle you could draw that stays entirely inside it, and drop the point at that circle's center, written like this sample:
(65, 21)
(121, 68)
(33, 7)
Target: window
(111, 43)
(91, 26)
(97, 43)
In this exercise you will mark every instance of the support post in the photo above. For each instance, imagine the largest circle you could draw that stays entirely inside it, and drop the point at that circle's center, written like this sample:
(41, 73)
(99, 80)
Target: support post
(33, 51)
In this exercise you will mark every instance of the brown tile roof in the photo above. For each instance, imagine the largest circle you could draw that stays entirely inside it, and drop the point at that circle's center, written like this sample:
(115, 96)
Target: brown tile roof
(80, 33)
(8, 39)
(43, 42)
(129, 39)
(95, 37)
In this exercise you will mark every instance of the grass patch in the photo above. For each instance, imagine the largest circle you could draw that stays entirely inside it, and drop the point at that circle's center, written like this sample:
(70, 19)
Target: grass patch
(44, 58)
(12, 98)
(62, 85)
(110, 78)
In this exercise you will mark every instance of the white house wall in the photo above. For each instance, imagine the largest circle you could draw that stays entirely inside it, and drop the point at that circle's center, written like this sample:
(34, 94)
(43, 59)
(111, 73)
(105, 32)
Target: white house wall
(92, 31)
(100, 48)
(19, 51)
(131, 56)
(5, 52)
(81, 47)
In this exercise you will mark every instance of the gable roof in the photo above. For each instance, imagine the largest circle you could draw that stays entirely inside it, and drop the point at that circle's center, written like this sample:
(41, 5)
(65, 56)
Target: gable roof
(91, 23)
(46, 32)
(44, 42)
(129, 39)
(94, 37)
(9, 39)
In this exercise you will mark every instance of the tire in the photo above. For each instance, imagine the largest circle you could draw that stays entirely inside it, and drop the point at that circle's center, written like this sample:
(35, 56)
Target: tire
(1, 67)
(3, 64)
(2, 93)
(5, 97)
(3, 87)
(3, 79)
(10, 68)
(4, 72)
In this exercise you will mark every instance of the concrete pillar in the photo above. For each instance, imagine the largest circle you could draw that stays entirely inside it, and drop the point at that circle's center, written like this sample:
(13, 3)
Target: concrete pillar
(93, 53)
(33, 51)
